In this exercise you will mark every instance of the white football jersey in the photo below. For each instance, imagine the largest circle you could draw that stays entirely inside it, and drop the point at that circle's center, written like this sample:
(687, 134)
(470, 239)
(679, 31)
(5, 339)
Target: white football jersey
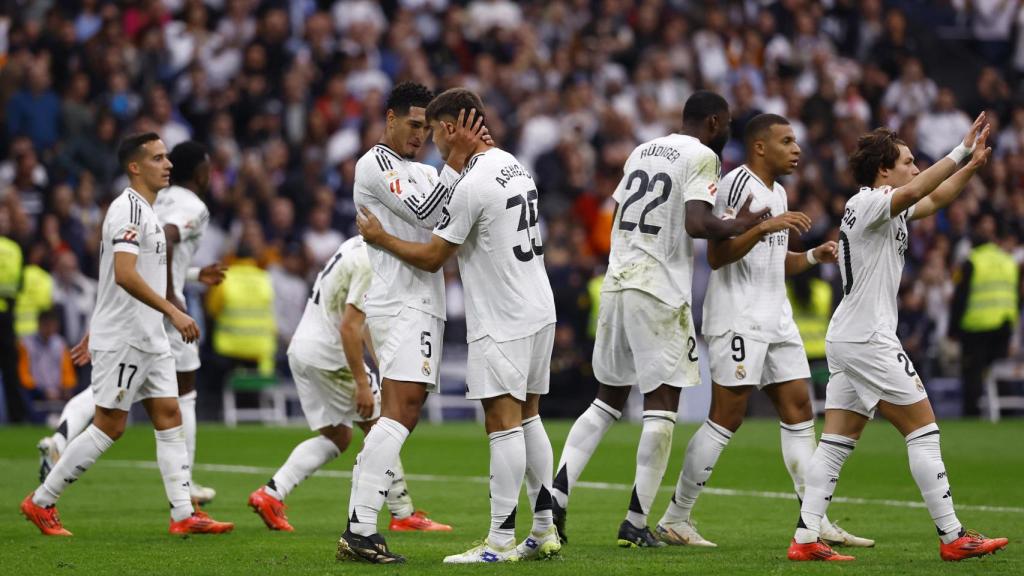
(748, 297)
(871, 248)
(344, 280)
(650, 249)
(406, 197)
(120, 320)
(493, 214)
(183, 208)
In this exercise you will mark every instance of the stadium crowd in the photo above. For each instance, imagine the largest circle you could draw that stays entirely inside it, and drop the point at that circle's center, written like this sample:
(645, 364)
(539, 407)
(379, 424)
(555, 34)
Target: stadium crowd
(287, 95)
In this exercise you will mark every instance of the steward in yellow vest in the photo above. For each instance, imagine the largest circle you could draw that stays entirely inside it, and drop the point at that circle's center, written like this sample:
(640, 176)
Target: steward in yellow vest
(243, 309)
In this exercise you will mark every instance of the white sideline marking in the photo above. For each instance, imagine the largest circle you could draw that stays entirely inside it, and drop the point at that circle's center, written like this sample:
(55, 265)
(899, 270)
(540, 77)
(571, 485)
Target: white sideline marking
(264, 471)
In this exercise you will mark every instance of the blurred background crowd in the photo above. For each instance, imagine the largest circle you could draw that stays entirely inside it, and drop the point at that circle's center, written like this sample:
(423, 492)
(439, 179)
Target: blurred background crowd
(288, 94)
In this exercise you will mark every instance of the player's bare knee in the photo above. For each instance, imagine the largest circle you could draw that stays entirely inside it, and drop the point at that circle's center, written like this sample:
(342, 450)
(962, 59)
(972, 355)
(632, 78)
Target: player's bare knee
(111, 422)
(614, 396)
(186, 382)
(531, 407)
(726, 419)
(341, 436)
(663, 397)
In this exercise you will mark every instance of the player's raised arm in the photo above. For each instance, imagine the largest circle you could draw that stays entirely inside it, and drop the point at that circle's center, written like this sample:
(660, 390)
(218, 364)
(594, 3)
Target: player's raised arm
(952, 186)
(928, 180)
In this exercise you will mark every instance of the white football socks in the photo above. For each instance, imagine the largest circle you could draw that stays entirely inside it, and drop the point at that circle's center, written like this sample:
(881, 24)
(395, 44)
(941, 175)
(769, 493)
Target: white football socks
(821, 479)
(651, 460)
(376, 471)
(76, 415)
(172, 457)
(308, 457)
(585, 435)
(81, 454)
(702, 454)
(539, 463)
(187, 404)
(508, 467)
(399, 501)
(797, 451)
(929, 472)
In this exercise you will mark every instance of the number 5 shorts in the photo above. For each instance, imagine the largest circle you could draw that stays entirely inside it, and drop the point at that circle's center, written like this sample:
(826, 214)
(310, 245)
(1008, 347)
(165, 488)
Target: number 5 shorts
(760, 363)
(122, 377)
(408, 346)
(862, 373)
(514, 367)
(644, 341)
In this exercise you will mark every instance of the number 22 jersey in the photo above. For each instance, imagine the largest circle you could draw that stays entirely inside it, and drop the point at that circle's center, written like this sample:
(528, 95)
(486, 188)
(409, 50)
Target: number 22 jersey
(871, 248)
(650, 249)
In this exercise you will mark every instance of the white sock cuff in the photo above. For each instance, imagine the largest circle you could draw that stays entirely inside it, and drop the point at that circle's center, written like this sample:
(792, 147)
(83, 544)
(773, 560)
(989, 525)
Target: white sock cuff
(606, 409)
(176, 433)
(927, 430)
(99, 437)
(505, 435)
(838, 441)
(393, 428)
(328, 446)
(797, 428)
(716, 431)
(188, 398)
(659, 415)
(531, 422)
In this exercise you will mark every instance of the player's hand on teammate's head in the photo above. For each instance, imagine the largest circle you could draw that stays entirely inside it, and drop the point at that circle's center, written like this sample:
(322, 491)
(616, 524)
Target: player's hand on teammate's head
(369, 226)
(747, 218)
(80, 352)
(185, 325)
(827, 253)
(976, 128)
(212, 274)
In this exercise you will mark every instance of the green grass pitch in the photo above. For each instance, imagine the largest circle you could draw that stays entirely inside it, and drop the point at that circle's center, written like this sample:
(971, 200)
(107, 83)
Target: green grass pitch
(119, 516)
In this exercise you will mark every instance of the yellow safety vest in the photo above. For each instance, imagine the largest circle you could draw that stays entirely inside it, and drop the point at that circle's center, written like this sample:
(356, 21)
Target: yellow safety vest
(10, 270)
(812, 319)
(245, 327)
(36, 296)
(992, 296)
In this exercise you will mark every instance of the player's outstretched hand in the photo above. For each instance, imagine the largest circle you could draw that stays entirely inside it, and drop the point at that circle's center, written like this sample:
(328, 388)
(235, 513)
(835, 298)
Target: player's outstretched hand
(369, 226)
(826, 253)
(981, 153)
(796, 221)
(364, 399)
(976, 128)
(212, 274)
(184, 324)
(747, 218)
(80, 353)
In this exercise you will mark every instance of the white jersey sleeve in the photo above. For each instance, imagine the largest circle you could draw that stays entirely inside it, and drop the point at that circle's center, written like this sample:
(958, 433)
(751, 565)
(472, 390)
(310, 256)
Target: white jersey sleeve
(702, 176)
(183, 209)
(459, 215)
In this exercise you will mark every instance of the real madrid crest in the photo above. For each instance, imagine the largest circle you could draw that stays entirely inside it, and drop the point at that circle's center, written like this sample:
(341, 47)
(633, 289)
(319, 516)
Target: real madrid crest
(426, 367)
(741, 372)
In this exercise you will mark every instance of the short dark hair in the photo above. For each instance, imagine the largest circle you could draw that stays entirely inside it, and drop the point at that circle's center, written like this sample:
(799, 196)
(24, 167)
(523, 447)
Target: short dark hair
(876, 150)
(451, 101)
(759, 125)
(408, 95)
(703, 104)
(186, 157)
(130, 146)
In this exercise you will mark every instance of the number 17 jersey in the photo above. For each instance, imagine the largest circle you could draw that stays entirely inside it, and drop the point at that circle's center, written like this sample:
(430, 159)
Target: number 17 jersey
(650, 249)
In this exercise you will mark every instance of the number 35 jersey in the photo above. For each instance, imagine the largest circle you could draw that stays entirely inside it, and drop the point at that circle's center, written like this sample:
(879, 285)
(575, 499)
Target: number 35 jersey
(650, 249)
(492, 213)
(871, 248)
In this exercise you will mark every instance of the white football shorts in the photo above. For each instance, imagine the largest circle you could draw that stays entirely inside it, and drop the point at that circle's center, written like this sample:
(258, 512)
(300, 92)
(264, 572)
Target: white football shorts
(409, 346)
(738, 360)
(186, 355)
(122, 377)
(644, 341)
(515, 367)
(328, 397)
(862, 373)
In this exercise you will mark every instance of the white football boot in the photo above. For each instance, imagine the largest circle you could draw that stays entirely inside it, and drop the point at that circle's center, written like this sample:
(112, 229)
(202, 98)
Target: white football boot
(48, 456)
(484, 552)
(540, 546)
(682, 534)
(201, 494)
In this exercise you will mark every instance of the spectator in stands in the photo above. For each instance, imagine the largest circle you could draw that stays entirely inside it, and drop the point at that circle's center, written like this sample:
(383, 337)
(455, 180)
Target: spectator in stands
(34, 111)
(942, 128)
(44, 364)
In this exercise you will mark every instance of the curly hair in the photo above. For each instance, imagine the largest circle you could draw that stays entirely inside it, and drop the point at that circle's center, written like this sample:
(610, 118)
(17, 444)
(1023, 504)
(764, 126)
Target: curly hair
(186, 158)
(876, 150)
(408, 95)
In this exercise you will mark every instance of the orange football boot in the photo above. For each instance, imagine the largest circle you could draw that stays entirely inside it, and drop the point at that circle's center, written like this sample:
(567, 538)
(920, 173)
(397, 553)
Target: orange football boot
(270, 510)
(815, 551)
(970, 545)
(200, 524)
(46, 519)
(418, 522)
